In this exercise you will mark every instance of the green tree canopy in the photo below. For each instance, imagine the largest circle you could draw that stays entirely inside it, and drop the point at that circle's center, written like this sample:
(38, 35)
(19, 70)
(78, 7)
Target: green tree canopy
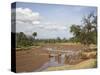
(34, 34)
(87, 32)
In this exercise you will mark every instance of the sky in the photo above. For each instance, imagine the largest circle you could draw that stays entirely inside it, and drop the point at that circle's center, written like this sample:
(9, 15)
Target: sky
(49, 20)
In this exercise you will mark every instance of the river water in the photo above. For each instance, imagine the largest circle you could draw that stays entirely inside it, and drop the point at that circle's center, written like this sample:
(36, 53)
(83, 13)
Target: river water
(53, 62)
(60, 59)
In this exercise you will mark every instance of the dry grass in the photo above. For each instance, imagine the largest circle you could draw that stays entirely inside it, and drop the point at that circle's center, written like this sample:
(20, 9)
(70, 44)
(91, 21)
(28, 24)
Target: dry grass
(90, 63)
(87, 55)
(32, 58)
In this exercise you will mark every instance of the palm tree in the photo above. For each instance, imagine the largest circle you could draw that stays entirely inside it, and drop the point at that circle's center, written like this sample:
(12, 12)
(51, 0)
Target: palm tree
(34, 34)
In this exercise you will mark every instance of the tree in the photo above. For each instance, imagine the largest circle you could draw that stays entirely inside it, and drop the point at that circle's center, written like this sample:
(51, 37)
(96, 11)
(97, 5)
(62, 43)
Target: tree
(23, 40)
(58, 39)
(76, 30)
(90, 28)
(34, 34)
(87, 34)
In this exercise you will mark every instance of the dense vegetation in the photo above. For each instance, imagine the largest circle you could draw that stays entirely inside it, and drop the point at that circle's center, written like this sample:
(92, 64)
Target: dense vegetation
(23, 40)
(85, 34)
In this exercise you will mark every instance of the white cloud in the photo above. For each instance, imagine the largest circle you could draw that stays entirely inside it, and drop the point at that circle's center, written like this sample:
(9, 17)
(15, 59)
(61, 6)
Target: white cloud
(51, 26)
(27, 15)
(55, 27)
(31, 20)
(36, 22)
(28, 22)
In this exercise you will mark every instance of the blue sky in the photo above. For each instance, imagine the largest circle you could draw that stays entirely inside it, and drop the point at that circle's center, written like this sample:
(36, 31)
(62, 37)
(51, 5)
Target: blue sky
(49, 20)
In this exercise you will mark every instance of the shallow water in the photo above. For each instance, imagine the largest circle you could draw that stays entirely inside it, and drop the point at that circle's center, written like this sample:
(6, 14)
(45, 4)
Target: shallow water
(59, 60)
(53, 62)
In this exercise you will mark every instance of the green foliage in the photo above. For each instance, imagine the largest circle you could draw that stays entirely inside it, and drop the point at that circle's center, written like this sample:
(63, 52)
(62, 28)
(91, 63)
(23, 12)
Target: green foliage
(87, 34)
(34, 34)
(76, 30)
(22, 40)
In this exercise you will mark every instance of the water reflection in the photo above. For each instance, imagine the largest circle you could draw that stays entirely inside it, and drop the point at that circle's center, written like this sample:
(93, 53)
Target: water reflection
(53, 62)
(58, 57)
(62, 58)
(57, 60)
